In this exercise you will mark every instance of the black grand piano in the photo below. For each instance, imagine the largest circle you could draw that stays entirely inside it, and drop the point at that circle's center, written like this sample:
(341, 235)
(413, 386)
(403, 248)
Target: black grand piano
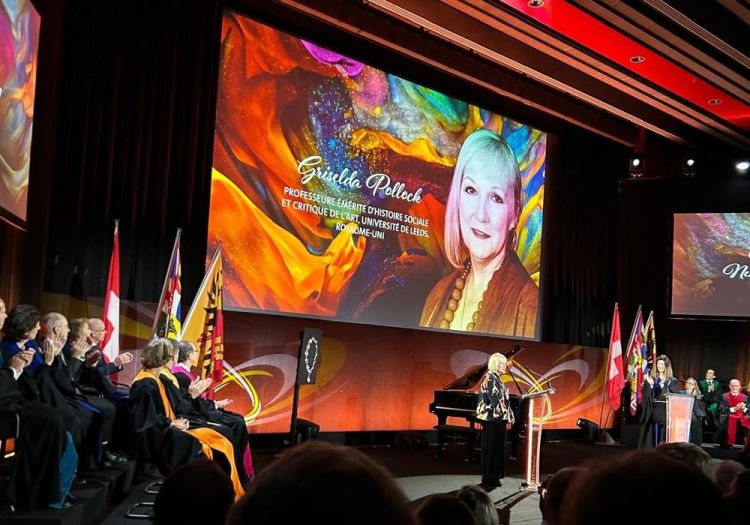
(459, 400)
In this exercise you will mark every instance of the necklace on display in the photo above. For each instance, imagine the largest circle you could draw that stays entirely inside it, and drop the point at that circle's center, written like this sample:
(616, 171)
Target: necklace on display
(455, 298)
(310, 366)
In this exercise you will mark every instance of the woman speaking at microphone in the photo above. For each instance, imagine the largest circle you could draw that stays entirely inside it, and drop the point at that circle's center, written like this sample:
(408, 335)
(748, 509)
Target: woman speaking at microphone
(656, 385)
(493, 409)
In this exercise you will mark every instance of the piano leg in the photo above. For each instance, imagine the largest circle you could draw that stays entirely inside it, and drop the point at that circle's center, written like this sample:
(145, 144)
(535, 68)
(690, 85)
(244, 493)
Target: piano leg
(440, 435)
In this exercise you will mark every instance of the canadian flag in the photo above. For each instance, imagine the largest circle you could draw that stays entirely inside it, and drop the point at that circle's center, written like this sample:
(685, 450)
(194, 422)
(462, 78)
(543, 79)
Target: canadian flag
(615, 380)
(111, 343)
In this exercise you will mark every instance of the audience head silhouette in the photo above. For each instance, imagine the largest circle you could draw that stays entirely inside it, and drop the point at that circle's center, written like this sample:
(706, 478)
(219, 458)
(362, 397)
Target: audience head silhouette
(197, 492)
(557, 493)
(663, 488)
(444, 509)
(321, 483)
(690, 454)
(480, 504)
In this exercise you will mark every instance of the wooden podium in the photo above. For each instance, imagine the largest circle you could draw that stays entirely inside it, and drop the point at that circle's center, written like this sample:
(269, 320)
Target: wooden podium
(532, 436)
(679, 415)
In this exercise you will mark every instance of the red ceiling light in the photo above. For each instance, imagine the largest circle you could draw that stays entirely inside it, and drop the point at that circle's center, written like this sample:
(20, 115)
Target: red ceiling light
(638, 59)
(536, 3)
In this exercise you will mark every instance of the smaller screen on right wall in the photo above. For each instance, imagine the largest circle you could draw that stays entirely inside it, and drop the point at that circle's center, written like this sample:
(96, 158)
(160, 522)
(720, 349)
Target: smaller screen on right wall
(711, 264)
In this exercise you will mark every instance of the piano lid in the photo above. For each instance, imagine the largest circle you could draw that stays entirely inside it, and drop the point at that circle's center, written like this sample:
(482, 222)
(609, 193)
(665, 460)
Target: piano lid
(473, 376)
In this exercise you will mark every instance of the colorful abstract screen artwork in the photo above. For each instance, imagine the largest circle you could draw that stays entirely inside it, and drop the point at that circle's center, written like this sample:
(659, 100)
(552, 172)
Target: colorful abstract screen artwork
(19, 40)
(344, 192)
(711, 264)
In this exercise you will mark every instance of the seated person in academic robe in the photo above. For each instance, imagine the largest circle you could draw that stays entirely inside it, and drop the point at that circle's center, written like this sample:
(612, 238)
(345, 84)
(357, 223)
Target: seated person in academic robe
(45, 455)
(192, 389)
(66, 372)
(36, 384)
(711, 390)
(699, 411)
(161, 435)
(656, 385)
(734, 413)
(193, 407)
(99, 369)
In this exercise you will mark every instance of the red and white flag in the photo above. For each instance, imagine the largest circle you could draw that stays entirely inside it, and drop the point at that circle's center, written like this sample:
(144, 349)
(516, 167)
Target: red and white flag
(615, 380)
(111, 343)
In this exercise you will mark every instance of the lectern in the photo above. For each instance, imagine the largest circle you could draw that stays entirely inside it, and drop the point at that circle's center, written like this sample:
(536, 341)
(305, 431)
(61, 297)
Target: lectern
(679, 414)
(532, 442)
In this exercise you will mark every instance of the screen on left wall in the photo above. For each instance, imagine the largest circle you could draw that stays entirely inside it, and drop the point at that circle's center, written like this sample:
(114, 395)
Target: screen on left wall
(19, 41)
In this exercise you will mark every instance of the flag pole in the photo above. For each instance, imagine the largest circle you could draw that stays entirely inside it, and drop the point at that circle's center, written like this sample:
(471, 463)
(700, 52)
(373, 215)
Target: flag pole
(606, 370)
(166, 282)
(191, 312)
(111, 309)
(638, 315)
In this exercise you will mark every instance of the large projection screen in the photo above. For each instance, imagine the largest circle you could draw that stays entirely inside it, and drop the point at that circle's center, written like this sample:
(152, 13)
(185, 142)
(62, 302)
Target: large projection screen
(338, 192)
(19, 40)
(711, 265)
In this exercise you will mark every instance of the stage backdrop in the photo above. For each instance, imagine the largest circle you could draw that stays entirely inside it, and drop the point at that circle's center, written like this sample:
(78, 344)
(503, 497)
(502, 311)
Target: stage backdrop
(330, 181)
(19, 40)
(711, 264)
(370, 378)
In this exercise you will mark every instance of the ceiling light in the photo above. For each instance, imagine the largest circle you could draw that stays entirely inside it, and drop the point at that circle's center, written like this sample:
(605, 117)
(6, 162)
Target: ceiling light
(636, 167)
(637, 59)
(536, 3)
(742, 166)
(714, 101)
(689, 165)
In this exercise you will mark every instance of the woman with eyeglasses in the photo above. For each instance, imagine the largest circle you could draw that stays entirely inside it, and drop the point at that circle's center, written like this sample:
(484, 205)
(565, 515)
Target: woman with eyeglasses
(699, 411)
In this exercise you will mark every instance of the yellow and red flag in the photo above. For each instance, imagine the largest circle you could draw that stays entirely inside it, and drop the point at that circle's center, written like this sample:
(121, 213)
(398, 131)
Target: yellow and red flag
(204, 323)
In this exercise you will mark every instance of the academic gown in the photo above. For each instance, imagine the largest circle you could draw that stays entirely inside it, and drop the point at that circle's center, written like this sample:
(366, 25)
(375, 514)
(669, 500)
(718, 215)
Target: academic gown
(98, 377)
(696, 422)
(40, 446)
(195, 411)
(154, 439)
(728, 421)
(36, 384)
(655, 411)
(168, 447)
(234, 421)
(96, 413)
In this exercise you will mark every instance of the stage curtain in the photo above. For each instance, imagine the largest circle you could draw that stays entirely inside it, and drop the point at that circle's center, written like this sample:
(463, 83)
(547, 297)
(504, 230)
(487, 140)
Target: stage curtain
(580, 245)
(134, 142)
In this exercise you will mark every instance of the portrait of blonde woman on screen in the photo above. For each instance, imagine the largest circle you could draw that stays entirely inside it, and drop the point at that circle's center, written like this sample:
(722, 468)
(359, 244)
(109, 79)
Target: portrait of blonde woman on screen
(489, 290)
